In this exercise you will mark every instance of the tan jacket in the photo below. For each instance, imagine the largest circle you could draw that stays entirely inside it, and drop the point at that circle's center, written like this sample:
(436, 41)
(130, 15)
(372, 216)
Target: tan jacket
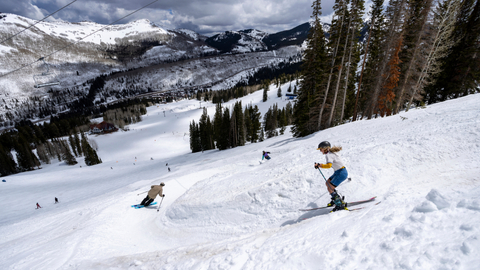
(154, 191)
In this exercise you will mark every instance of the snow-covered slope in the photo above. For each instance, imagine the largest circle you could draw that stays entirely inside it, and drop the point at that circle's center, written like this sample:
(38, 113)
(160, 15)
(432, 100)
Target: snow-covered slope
(77, 31)
(227, 210)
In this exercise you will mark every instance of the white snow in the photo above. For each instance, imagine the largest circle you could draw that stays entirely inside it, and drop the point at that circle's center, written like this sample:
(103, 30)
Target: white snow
(227, 210)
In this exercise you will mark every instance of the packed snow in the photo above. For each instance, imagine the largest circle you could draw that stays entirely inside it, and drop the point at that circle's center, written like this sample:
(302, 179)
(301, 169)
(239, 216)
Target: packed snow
(231, 210)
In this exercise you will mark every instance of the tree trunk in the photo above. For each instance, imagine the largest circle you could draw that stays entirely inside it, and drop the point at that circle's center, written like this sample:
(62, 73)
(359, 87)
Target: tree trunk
(331, 71)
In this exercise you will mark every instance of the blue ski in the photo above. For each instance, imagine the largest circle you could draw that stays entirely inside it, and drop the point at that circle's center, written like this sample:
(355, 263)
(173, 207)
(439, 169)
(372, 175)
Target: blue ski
(138, 206)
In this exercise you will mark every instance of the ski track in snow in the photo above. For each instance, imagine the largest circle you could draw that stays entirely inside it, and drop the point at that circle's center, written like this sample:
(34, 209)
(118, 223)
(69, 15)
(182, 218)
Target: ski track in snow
(225, 210)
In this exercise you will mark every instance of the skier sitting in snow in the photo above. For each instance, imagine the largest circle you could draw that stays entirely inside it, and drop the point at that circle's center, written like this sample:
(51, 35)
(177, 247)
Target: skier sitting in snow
(265, 155)
(335, 162)
(152, 194)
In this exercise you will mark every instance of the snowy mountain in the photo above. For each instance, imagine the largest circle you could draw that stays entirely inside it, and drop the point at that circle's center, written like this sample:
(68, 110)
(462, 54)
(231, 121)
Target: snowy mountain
(231, 210)
(76, 53)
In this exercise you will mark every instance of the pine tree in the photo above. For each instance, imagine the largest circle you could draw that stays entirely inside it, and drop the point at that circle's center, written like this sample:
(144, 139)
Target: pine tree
(439, 44)
(195, 140)
(248, 124)
(387, 95)
(205, 131)
(71, 140)
(217, 125)
(224, 142)
(43, 154)
(7, 163)
(67, 155)
(313, 78)
(415, 31)
(25, 157)
(239, 128)
(91, 157)
(371, 59)
(395, 16)
(461, 68)
(255, 115)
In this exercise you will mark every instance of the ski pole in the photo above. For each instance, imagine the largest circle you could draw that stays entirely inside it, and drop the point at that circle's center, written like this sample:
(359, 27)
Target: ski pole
(142, 192)
(322, 174)
(160, 203)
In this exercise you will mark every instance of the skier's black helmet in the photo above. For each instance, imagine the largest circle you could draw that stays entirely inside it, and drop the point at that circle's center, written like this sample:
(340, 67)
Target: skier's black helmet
(323, 145)
(162, 184)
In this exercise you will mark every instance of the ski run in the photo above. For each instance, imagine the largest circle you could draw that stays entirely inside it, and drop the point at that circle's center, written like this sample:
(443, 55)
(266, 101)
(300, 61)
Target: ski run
(223, 210)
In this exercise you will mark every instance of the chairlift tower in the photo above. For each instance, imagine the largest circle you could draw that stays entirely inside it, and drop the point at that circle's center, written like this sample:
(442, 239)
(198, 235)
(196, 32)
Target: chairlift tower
(46, 78)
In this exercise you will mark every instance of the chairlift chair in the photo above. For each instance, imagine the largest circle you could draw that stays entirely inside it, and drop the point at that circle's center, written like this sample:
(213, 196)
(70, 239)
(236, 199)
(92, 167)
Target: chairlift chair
(43, 76)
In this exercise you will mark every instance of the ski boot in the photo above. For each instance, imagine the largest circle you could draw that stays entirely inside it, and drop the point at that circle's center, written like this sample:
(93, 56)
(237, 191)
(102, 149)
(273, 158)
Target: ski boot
(332, 201)
(339, 203)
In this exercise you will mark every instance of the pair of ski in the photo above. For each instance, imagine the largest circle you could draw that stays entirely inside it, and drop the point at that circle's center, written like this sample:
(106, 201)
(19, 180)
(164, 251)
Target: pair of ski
(138, 206)
(346, 205)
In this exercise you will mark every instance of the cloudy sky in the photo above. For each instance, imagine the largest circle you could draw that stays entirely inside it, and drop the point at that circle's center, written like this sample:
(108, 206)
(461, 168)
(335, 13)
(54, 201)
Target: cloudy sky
(203, 16)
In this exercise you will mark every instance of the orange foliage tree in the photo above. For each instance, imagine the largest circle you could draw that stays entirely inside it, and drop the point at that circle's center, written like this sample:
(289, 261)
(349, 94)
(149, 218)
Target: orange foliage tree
(386, 97)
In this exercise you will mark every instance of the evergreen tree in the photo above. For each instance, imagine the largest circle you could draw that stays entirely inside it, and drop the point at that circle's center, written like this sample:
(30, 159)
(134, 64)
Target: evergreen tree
(248, 124)
(205, 131)
(239, 127)
(195, 140)
(91, 157)
(71, 140)
(43, 154)
(265, 94)
(217, 124)
(395, 17)
(439, 44)
(224, 141)
(279, 92)
(371, 59)
(67, 154)
(25, 157)
(7, 163)
(461, 68)
(414, 43)
(255, 117)
(78, 144)
(313, 78)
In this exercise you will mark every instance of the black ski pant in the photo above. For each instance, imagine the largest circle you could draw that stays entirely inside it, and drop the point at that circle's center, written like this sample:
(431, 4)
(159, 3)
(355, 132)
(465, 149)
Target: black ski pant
(147, 201)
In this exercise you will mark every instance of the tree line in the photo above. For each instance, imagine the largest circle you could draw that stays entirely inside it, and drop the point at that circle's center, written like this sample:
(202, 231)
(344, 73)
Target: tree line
(236, 128)
(34, 144)
(416, 52)
(62, 138)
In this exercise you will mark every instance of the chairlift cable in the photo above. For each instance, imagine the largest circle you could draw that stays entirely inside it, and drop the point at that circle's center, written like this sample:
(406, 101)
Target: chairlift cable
(37, 22)
(43, 57)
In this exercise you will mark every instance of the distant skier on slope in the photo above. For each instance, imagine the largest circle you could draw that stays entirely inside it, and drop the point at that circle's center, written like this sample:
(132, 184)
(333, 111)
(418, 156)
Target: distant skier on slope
(265, 155)
(152, 194)
(335, 162)
(56, 200)
(38, 206)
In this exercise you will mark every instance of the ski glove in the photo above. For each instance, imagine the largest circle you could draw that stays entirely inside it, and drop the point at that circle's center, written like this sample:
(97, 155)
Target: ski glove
(163, 195)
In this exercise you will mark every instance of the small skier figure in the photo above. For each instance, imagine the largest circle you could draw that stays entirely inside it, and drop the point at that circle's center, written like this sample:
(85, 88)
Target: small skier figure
(169, 169)
(152, 194)
(265, 155)
(56, 200)
(166, 164)
(340, 173)
(38, 206)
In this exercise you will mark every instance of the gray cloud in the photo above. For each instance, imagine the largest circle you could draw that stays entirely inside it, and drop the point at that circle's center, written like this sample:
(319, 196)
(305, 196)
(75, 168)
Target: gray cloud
(205, 17)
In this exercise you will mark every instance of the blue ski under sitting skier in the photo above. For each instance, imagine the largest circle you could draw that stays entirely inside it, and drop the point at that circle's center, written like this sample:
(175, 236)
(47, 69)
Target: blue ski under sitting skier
(138, 206)
(334, 161)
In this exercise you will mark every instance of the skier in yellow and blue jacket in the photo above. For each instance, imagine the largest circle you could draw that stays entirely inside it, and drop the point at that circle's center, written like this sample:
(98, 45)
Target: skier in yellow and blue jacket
(334, 161)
